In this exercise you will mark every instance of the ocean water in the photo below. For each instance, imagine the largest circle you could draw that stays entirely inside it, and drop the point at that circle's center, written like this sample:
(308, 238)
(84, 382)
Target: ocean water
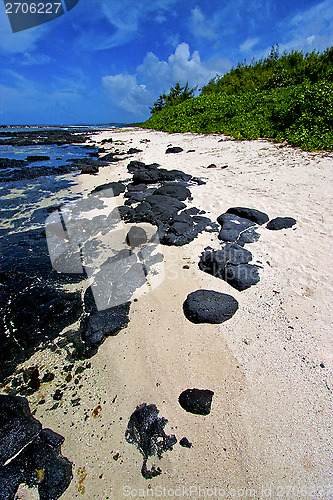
(59, 154)
(21, 200)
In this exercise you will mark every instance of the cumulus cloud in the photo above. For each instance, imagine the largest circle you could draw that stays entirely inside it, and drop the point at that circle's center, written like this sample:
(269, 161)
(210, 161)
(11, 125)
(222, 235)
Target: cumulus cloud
(126, 93)
(158, 76)
(180, 66)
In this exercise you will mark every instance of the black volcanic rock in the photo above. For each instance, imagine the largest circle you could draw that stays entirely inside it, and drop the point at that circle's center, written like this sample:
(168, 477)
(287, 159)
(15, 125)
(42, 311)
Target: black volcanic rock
(214, 261)
(32, 158)
(248, 236)
(29, 454)
(208, 306)
(89, 168)
(242, 276)
(184, 442)
(132, 151)
(136, 236)
(231, 264)
(17, 427)
(157, 208)
(9, 163)
(101, 323)
(250, 214)
(280, 223)
(47, 137)
(33, 307)
(110, 189)
(174, 189)
(145, 430)
(233, 226)
(197, 401)
(175, 149)
(163, 206)
(151, 174)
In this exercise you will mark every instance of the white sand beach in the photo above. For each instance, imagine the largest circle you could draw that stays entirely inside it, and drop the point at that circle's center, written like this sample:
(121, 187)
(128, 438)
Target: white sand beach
(269, 432)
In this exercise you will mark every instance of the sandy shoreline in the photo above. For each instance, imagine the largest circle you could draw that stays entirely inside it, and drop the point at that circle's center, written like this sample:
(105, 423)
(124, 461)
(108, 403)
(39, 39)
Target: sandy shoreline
(270, 365)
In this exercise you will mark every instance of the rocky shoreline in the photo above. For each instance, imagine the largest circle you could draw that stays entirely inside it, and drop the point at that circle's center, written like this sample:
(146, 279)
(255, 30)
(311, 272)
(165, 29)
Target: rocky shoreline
(39, 301)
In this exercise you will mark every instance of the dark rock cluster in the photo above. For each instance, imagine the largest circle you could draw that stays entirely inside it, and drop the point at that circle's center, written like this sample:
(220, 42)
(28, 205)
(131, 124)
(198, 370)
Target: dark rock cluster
(31, 158)
(36, 137)
(33, 307)
(18, 172)
(163, 205)
(231, 264)
(29, 454)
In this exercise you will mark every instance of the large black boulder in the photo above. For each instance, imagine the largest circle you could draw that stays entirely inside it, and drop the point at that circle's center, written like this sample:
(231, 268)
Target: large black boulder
(230, 264)
(158, 208)
(250, 214)
(174, 189)
(280, 223)
(214, 261)
(208, 306)
(233, 227)
(197, 401)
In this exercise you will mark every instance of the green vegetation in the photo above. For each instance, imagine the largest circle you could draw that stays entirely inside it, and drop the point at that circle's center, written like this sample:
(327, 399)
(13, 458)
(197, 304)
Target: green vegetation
(287, 98)
(176, 95)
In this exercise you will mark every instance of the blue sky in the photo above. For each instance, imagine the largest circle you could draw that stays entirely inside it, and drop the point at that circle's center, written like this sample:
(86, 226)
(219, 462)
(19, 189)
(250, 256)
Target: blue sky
(108, 60)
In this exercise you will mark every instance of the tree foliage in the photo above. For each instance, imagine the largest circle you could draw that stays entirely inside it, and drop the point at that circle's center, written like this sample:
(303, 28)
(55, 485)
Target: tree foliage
(288, 97)
(176, 95)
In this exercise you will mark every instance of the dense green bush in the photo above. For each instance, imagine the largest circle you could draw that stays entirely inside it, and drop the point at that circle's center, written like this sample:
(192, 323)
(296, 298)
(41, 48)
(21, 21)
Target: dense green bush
(176, 95)
(298, 112)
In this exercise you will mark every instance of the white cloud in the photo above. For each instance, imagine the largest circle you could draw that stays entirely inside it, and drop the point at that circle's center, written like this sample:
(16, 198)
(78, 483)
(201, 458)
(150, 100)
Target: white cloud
(248, 44)
(200, 26)
(34, 59)
(310, 29)
(127, 93)
(124, 18)
(180, 66)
